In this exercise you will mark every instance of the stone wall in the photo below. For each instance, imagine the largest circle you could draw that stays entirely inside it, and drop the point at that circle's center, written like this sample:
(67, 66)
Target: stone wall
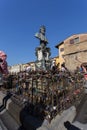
(75, 54)
(75, 47)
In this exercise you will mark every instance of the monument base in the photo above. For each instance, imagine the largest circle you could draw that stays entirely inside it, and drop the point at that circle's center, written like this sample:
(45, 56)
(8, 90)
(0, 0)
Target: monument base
(42, 65)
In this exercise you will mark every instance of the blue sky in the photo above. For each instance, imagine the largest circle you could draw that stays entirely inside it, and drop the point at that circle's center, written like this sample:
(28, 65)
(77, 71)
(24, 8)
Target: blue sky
(21, 19)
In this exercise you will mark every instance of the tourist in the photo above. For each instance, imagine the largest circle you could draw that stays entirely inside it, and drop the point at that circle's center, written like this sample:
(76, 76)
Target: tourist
(81, 69)
(63, 67)
(53, 66)
(28, 68)
(85, 79)
(84, 69)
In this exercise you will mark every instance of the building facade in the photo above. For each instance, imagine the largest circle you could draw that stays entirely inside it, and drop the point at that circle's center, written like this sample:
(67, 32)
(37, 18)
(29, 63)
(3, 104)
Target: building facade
(60, 58)
(21, 67)
(74, 50)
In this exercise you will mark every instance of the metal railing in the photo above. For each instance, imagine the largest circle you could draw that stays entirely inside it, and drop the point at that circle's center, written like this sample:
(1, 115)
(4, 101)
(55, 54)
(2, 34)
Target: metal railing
(46, 93)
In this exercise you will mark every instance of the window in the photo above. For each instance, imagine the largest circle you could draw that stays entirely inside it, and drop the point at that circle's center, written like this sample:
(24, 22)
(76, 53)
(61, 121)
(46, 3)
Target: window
(75, 40)
(71, 41)
(61, 49)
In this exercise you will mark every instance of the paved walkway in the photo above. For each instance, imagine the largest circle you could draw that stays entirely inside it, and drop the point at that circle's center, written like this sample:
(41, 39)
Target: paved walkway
(80, 120)
(7, 122)
(80, 125)
(5, 118)
(2, 126)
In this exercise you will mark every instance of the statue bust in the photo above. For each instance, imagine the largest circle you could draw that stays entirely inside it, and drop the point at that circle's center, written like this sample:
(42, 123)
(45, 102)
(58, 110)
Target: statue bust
(41, 35)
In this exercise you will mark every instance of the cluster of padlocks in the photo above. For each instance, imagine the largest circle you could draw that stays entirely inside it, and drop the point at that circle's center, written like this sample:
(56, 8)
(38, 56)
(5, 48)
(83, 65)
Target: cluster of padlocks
(46, 93)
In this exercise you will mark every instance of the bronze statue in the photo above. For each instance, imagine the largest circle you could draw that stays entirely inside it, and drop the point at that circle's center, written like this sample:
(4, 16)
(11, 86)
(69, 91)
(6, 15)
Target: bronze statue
(42, 52)
(41, 35)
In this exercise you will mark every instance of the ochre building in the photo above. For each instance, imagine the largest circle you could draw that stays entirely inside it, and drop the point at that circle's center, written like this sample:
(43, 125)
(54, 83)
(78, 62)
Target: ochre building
(73, 51)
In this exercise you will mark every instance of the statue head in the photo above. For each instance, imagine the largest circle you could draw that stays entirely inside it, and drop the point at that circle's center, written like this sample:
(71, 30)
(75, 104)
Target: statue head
(42, 29)
(41, 35)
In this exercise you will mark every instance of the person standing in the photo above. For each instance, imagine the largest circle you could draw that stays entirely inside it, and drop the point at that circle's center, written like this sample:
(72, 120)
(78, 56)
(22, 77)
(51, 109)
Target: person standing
(3, 66)
(28, 68)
